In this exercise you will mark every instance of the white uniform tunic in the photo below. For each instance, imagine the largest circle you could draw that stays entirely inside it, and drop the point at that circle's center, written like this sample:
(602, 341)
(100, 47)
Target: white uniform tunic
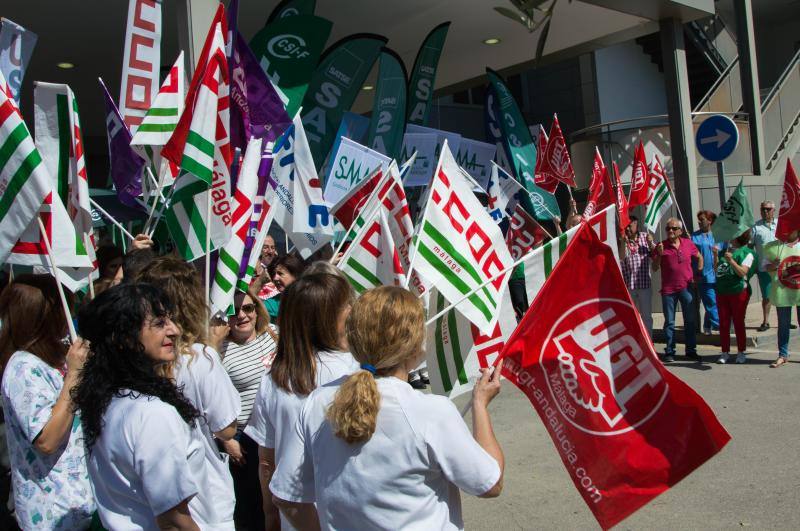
(275, 411)
(144, 463)
(206, 384)
(406, 476)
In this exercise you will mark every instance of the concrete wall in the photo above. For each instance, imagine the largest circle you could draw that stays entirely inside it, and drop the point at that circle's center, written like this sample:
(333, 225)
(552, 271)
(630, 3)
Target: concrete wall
(629, 85)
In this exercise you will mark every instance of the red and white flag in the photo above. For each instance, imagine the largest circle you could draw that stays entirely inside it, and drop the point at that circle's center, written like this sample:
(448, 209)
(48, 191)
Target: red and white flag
(347, 209)
(542, 176)
(622, 201)
(639, 190)
(789, 214)
(524, 233)
(625, 427)
(601, 194)
(557, 163)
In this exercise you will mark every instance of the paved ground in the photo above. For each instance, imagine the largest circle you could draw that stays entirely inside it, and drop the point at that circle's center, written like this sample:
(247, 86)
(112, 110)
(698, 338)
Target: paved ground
(754, 482)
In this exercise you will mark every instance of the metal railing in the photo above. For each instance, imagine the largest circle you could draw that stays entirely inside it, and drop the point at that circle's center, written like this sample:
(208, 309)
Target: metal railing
(725, 95)
(781, 111)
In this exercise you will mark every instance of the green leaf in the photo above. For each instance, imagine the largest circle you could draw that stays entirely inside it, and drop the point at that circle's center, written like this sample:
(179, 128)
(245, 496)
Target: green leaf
(542, 40)
(513, 15)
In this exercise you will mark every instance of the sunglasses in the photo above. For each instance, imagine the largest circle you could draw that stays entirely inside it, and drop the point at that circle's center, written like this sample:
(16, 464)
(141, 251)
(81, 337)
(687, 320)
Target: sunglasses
(673, 228)
(246, 308)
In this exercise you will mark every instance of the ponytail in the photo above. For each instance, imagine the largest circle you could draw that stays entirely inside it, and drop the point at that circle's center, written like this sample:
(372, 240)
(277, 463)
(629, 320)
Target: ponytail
(354, 411)
(385, 330)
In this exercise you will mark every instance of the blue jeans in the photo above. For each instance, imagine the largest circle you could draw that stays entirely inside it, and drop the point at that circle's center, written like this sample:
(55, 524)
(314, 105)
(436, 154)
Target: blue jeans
(709, 297)
(669, 303)
(784, 320)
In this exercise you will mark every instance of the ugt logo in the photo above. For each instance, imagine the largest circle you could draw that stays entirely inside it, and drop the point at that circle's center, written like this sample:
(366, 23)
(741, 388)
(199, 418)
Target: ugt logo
(597, 368)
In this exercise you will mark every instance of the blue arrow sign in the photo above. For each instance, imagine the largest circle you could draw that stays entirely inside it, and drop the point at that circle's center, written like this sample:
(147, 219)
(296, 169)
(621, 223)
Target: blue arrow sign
(716, 138)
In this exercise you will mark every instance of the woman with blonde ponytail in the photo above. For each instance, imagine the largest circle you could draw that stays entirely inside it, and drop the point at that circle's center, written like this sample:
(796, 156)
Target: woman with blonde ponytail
(372, 452)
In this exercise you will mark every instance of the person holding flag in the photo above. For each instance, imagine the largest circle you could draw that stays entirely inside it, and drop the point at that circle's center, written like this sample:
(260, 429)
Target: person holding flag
(374, 453)
(783, 261)
(705, 278)
(637, 247)
(673, 257)
(733, 293)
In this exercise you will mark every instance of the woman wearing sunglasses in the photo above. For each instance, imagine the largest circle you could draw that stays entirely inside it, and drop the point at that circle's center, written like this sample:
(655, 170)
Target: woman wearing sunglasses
(247, 354)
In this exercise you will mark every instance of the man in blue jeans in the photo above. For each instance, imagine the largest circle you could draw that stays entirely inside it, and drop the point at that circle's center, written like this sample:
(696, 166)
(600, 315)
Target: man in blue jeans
(706, 278)
(674, 257)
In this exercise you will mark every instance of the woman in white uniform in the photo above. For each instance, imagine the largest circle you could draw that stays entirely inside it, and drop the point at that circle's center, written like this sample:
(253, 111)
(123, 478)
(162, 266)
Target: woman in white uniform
(145, 467)
(312, 351)
(372, 452)
(200, 375)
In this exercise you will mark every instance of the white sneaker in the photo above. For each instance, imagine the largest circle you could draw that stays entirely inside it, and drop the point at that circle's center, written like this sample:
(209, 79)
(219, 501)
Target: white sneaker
(723, 358)
(741, 358)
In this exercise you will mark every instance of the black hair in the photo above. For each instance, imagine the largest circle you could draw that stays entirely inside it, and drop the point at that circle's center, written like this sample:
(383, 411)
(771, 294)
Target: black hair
(633, 218)
(293, 264)
(117, 364)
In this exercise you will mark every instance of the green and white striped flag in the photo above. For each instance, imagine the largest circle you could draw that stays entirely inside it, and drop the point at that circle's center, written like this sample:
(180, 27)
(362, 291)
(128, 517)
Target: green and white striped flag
(372, 259)
(456, 350)
(540, 262)
(659, 196)
(162, 117)
(60, 142)
(265, 217)
(459, 246)
(24, 181)
(231, 254)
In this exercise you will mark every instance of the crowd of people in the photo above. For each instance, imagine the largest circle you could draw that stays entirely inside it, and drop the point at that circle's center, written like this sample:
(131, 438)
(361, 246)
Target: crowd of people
(696, 268)
(296, 412)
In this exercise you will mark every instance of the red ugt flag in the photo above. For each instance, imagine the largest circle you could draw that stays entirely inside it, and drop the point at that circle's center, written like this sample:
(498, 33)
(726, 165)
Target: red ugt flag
(626, 428)
(542, 175)
(556, 160)
(789, 214)
(601, 194)
(622, 201)
(639, 191)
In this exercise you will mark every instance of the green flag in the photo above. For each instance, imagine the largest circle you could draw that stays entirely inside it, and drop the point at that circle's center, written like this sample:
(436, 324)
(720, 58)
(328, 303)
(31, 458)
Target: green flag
(334, 86)
(290, 8)
(420, 87)
(735, 218)
(521, 150)
(288, 51)
(388, 121)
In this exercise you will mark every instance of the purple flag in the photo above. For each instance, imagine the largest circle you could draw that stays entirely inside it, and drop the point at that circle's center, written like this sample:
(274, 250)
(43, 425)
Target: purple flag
(256, 109)
(126, 165)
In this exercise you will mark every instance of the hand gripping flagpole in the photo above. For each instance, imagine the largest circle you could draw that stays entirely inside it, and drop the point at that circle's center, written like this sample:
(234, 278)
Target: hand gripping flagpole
(72, 335)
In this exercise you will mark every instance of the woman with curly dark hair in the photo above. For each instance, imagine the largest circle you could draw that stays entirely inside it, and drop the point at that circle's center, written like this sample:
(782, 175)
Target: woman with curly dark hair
(199, 372)
(48, 458)
(145, 466)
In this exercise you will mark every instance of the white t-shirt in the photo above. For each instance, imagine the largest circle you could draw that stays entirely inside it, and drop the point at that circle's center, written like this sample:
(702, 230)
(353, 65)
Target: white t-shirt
(144, 463)
(208, 387)
(407, 476)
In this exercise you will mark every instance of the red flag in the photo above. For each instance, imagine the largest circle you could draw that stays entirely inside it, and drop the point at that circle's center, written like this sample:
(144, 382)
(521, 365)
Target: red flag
(351, 204)
(601, 194)
(789, 214)
(639, 190)
(173, 150)
(625, 427)
(557, 163)
(622, 201)
(542, 176)
(524, 233)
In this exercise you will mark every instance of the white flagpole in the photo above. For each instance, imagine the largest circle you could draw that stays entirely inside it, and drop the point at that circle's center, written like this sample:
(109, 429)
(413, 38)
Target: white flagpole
(161, 211)
(73, 336)
(86, 243)
(159, 188)
(208, 257)
(111, 219)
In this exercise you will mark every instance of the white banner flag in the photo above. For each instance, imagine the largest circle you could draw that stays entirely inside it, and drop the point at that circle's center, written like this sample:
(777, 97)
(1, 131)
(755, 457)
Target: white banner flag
(141, 62)
(351, 165)
(476, 158)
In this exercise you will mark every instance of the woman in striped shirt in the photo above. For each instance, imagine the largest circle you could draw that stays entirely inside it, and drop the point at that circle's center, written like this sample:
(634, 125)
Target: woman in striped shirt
(247, 354)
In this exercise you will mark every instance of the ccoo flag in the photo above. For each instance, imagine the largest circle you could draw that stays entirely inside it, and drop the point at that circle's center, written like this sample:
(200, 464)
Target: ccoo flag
(736, 216)
(789, 214)
(625, 428)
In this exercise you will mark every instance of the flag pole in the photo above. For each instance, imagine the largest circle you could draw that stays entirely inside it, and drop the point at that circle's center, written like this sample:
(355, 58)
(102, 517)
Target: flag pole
(86, 242)
(159, 188)
(161, 211)
(111, 219)
(72, 335)
(208, 258)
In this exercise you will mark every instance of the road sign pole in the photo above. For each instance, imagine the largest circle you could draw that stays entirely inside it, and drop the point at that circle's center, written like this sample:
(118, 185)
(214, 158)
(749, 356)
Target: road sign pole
(721, 182)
